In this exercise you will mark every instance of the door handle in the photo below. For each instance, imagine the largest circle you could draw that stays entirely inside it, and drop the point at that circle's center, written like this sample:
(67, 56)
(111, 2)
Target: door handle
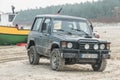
(46, 34)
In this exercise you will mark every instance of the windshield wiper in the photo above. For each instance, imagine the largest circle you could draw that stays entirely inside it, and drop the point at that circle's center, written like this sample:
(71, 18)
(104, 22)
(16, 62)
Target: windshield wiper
(60, 30)
(65, 31)
(88, 36)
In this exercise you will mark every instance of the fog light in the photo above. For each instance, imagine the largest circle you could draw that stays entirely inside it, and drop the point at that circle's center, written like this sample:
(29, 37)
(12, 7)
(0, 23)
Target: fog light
(96, 46)
(102, 46)
(87, 46)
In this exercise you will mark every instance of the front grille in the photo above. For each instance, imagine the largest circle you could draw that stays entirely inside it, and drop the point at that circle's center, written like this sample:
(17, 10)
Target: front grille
(87, 41)
(82, 46)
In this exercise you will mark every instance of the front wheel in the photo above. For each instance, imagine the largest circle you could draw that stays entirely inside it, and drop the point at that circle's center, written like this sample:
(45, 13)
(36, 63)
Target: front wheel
(100, 66)
(57, 63)
(33, 56)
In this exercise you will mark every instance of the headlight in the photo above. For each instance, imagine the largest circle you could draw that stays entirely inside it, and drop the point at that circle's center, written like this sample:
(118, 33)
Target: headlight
(102, 46)
(96, 46)
(69, 45)
(87, 46)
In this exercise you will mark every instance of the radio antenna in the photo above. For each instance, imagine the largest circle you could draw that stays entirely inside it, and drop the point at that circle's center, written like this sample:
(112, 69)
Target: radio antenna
(59, 10)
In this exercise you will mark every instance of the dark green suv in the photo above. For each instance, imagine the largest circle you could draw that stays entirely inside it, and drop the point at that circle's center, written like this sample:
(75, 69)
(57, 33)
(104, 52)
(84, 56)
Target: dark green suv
(66, 40)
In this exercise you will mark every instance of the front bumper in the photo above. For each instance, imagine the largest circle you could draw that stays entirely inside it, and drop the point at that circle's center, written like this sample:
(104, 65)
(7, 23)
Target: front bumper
(74, 53)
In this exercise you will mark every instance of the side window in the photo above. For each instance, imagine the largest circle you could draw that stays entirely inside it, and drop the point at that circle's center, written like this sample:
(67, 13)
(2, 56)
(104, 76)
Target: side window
(45, 26)
(37, 24)
(11, 17)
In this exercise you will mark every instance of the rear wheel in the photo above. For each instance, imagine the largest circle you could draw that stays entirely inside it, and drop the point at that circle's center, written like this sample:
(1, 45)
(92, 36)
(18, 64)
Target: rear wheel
(57, 63)
(33, 56)
(100, 66)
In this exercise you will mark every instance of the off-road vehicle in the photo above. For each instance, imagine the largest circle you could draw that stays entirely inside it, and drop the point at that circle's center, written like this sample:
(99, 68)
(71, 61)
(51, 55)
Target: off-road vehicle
(66, 40)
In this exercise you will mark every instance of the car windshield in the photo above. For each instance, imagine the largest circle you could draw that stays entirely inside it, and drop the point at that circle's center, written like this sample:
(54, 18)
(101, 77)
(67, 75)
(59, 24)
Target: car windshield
(71, 26)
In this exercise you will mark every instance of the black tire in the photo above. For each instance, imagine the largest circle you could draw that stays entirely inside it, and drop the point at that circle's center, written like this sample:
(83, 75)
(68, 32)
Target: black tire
(56, 62)
(33, 56)
(100, 66)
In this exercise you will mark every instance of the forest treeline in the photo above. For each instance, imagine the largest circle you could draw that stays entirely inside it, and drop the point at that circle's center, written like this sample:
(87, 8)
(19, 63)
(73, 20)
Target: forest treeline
(89, 10)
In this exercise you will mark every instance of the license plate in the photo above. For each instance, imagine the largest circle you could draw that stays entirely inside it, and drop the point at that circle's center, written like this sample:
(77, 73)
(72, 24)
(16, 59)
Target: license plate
(89, 56)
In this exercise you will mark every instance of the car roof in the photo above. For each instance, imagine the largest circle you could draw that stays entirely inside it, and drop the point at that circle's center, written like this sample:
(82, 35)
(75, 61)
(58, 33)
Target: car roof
(61, 16)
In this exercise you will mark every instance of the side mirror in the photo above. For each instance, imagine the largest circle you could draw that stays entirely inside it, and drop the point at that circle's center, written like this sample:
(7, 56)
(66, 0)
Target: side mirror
(91, 27)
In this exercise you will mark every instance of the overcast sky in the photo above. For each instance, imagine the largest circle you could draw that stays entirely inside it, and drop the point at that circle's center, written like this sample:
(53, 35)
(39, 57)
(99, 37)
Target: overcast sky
(5, 5)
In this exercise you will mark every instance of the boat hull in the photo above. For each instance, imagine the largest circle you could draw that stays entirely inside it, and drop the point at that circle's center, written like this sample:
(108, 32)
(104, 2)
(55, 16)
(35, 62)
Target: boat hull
(9, 39)
(12, 35)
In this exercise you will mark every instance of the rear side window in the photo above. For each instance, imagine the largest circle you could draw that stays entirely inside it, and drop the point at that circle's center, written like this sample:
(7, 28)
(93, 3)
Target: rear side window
(37, 24)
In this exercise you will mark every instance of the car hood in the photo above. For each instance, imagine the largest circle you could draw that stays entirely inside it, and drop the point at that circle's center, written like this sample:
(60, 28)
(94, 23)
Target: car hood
(66, 37)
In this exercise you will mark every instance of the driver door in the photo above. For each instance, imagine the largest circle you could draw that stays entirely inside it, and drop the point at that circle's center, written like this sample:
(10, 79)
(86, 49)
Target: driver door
(46, 31)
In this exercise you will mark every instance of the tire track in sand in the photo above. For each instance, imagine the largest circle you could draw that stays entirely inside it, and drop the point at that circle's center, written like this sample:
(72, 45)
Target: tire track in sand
(12, 59)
